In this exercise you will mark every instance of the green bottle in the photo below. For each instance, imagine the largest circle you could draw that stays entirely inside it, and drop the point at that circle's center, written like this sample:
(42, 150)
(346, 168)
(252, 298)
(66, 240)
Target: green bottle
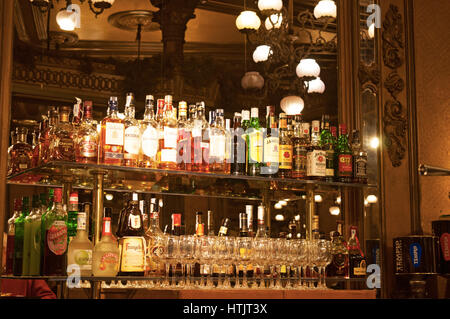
(327, 144)
(245, 126)
(19, 225)
(255, 144)
(47, 205)
(28, 238)
(33, 222)
(345, 156)
(72, 216)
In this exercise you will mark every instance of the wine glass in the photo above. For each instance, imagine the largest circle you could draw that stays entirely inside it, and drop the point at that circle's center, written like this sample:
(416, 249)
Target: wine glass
(230, 245)
(323, 259)
(302, 259)
(171, 245)
(244, 250)
(222, 253)
(186, 257)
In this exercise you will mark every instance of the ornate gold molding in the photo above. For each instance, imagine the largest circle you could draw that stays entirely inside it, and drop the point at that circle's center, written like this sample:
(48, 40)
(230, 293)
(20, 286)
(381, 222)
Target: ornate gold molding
(395, 119)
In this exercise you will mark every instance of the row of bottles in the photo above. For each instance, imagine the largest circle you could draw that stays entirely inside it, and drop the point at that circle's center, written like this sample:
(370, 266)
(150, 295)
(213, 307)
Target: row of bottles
(286, 148)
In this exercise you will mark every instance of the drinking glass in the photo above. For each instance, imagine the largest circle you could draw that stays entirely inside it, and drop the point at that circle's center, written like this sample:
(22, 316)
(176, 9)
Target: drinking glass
(323, 259)
(229, 259)
(244, 251)
(302, 260)
(186, 257)
(171, 247)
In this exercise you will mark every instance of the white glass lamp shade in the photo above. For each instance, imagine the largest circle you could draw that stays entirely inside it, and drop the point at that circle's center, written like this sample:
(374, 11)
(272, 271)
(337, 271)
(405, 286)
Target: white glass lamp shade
(292, 105)
(262, 53)
(372, 199)
(270, 5)
(274, 21)
(316, 86)
(66, 20)
(335, 211)
(103, 3)
(252, 80)
(372, 31)
(248, 20)
(308, 68)
(325, 8)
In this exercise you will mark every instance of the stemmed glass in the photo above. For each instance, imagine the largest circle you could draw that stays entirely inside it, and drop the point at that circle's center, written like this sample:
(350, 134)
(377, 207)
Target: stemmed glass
(229, 259)
(323, 259)
(221, 256)
(259, 256)
(294, 262)
(244, 250)
(302, 259)
(312, 260)
(171, 251)
(204, 260)
(187, 244)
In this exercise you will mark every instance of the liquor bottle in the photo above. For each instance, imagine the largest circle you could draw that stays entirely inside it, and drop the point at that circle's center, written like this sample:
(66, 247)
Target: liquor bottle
(356, 260)
(290, 125)
(21, 154)
(210, 223)
(72, 216)
(112, 136)
(243, 225)
(87, 138)
(176, 224)
(239, 147)
(10, 237)
(255, 144)
(183, 139)
(19, 233)
(300, 150)
(326, 142)
(286, 149)
(315, 227)
(261, 232)
(149, 133)
(29, 239)
(249, 212)
(217, 149)
(168, 139)
(62, 144)
(190, 125)
(46, 207)
(359, 159)
(44, 138)
(228, 146)
(77, 115)
(200, 135)
(212, 118)
(271, 145)
(105, 257)
(132, 243)
(132, 137)
(122, 215)
(55, 243)
(339, 260)
(245, 124)
(35, 146)
(316, 158)
(155, 243)
(223, 230)
(345, 167)
(198, 223)
(80, 247)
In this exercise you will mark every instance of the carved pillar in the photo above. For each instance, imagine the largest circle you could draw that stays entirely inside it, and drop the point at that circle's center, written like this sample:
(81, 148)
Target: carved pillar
(173, 16)
(6, 50)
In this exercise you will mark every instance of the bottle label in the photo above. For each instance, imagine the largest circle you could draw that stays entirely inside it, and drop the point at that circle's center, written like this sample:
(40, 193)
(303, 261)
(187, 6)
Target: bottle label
(223, 230)
(360, 269)
(57, 237)
(150, 142)
(330, 164)
(361, 167)
(415, 252)
(88, 147)
(135, 221)
(286, 156)
(197, 130)
(217, 146)
(271, 150)
(170, 137)
(299, 161)
(132, 140)
(157, 251)
(445, 246)
(256, 146)
(169, 155)
(114, 133)
(107, 227)
(316, 163)
(81, 221)
(132, 254)
(83, 258)
(345, 165)
(109, 262)
(204, 145)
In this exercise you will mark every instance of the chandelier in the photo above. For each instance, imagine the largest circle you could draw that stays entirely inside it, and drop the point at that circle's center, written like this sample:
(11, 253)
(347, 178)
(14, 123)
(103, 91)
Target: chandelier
(96, 6)
(286, 50)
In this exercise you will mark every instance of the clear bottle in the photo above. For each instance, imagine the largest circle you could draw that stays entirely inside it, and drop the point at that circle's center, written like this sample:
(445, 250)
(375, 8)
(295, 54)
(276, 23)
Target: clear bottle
(149, 133)
(286, 149)
(106, 254)
(155, 243)
(132, 135)
(255, 145)
(249, 212)
(10, 237)
(190, 125)
(183, 139)
(19, 234)
(210, 223)
(55, 243)
(316, 158)
(112, 136)
(87, 138)
(217, 149)
(62, 144)
(168, 142)
(245, 124)
(200, 135)
(228, 146)
(31, 244)
(261, 231)
(45, 137)
(271, 146)
(21, 153)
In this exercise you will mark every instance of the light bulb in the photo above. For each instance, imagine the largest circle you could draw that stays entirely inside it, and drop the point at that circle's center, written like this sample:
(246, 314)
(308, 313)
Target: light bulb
(278, 206)
(66, 20)
(292, 105)
(372, 199)
(274, 21)
(374, 142)
(308, 68)
(279, 217)
(283, 202)
(262, 53)
(318, 198)
(335, 211)
(325, 8)
(248, 20)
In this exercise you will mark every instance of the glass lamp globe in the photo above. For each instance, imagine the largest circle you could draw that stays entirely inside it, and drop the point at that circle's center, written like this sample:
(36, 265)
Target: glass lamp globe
(308, 68)
(334, 210)
(262, 53)
(316, 86)
(66, 20)
(270, 5)
(274, 21)
(325, 8)
(252, 81)
(248, 20)
(292, 105)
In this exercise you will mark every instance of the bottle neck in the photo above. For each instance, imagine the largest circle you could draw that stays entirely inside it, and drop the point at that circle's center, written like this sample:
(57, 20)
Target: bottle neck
(149, 114)
(107, 227)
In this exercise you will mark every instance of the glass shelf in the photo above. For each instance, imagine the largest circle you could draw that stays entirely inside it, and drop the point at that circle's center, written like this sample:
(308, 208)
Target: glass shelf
(158, 181)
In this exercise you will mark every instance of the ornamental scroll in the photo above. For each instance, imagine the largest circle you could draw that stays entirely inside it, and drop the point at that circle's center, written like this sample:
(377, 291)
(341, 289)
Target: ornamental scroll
(395, 122)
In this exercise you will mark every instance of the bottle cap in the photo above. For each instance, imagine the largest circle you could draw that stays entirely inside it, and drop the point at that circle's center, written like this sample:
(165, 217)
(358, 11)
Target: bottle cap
(113, 104)
(176, 219)
(168, 99)
(149, 98)
(260, 213)
(135, 197)
(73, 199)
